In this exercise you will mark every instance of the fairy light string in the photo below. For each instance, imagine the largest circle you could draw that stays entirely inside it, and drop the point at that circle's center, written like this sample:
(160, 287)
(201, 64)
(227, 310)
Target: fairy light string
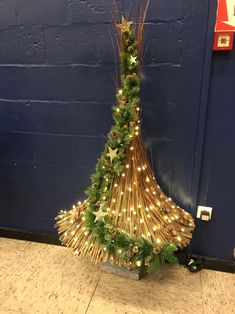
(126, 218)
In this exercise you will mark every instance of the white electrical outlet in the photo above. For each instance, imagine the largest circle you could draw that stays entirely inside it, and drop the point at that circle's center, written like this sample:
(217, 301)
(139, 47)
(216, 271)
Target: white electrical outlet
(204, 213)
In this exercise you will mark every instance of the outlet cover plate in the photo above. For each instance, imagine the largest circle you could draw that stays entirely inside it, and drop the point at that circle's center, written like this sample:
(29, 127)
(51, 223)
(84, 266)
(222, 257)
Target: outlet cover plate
(202, 209)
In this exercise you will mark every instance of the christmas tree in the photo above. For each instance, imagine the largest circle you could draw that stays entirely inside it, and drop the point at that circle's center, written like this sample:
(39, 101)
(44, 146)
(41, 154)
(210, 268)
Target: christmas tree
(126, 218)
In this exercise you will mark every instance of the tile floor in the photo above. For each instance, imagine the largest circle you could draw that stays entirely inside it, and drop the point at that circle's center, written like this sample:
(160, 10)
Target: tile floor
(41, 278)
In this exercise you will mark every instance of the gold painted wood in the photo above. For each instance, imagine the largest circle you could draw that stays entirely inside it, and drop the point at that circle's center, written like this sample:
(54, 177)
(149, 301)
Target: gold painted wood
(138, 207)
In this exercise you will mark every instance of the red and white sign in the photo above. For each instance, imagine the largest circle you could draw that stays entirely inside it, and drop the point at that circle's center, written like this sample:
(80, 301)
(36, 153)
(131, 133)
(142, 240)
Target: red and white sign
(225, 16)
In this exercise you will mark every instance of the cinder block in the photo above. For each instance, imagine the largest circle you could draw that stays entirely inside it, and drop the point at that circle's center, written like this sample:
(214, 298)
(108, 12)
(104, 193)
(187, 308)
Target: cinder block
(72, 44)
(159, 10)
(96, 83)
(13, 82)
(7, 13)
(81, 43)
(161, 82)
(163, 43)
(50, 83)
(77, 118)
(30, 176)
(90, 11)
(9, 46)
(22, 45)
(35, 12)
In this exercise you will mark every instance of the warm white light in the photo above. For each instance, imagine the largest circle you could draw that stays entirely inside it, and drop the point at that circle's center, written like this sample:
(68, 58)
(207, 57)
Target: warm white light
(139, 169)
(154, 229)
(123, 175)
(114, 200)
(141, 221)
(86, 233)
(137, 128)
(128, 219)
(129, 189)
(127, 166)
(120, 92)
(147, 179)
(71, 221)
(147, 190)
(74, 207)
(115, 185)
(104, 198)
(136, 133)
(149, 234)
(120, 251)
(182, 229)
(132, 148)
(158, 241)
(148, 216)
(179, 238)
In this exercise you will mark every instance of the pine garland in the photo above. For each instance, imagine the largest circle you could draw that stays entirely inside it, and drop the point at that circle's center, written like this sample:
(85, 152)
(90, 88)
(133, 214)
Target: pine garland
(134, 251)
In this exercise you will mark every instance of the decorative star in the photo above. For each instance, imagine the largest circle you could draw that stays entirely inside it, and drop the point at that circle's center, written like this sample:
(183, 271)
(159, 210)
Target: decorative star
(133, 60)
(112, 154)
(100, 215)
(125, 25)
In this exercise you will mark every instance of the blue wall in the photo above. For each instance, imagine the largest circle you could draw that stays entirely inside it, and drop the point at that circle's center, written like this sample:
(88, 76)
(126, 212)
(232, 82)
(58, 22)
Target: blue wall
(57, 87)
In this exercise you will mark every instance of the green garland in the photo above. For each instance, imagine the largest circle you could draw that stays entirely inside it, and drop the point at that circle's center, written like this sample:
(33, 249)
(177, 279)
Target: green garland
(138, 251)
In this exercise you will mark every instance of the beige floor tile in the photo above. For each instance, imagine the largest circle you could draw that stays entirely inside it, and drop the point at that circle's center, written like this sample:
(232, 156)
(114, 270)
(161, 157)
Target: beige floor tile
(218, 292)
(9, 311)
(49, 279)
(10, 252)
(177, 292)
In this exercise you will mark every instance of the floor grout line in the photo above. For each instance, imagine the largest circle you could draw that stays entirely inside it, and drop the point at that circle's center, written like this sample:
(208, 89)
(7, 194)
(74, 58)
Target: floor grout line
(92, 295)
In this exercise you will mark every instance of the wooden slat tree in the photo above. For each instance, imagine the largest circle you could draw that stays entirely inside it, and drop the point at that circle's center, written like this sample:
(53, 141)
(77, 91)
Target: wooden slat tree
(126, 218)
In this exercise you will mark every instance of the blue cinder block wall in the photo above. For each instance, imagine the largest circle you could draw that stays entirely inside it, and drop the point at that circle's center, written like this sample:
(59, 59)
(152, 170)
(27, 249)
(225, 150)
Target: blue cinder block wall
(57, 86)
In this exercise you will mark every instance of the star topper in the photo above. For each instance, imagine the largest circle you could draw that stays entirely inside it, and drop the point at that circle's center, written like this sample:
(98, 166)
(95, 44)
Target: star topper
(100, 215)
(125, 25)
(112, 154)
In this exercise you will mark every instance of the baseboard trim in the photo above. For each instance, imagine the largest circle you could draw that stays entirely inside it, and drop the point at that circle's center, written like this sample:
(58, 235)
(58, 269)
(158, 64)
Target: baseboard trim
(52, 238)
(48, 238)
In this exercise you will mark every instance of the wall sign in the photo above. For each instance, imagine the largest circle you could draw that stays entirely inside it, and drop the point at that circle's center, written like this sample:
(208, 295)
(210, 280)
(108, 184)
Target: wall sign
(225, 25)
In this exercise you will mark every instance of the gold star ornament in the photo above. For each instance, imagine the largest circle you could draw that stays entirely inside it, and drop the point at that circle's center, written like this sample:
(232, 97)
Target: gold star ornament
(133, 60)
(125, 25)
(100, 215)
(112, 154)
